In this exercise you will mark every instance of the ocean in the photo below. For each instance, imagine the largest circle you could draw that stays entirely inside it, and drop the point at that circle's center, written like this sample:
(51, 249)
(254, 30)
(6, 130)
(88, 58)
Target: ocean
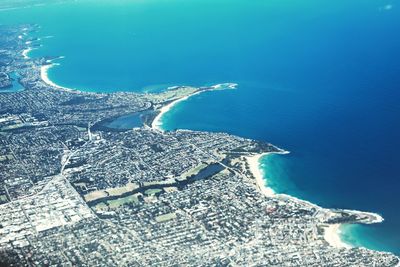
(320, 79)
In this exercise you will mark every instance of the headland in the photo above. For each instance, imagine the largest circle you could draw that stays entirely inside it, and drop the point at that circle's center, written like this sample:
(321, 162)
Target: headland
(116, 197)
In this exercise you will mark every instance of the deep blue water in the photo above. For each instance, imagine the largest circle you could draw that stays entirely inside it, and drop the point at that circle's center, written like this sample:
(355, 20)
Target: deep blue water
(320, 79)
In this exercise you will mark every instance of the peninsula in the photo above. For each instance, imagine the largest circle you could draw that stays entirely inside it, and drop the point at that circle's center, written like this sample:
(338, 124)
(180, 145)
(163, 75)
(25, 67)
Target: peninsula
(76, 193)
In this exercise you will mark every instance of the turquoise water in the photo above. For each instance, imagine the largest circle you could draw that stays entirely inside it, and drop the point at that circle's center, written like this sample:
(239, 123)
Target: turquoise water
(320, 79)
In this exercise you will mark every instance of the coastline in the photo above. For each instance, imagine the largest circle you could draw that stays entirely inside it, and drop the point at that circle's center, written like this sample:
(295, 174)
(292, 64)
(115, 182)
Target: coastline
(157, 122)
(44, 69)
(378, 218)
(45, 77)
(333, 229)
(254, 164)
(332, 232)
(333, 237)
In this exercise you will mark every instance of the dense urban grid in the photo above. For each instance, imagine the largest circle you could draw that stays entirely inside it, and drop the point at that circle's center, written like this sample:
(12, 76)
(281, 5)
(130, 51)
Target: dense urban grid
(75, 192)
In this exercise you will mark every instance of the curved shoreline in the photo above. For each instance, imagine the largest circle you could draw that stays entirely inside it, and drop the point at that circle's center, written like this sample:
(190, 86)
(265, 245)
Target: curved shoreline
(254, 165)
(255, 169)
(332, 232)
(44, 75)
(156, 124)
(44, 68)
(333, 237)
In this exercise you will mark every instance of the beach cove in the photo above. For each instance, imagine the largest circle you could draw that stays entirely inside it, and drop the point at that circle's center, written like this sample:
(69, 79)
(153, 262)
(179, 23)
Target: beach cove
(333, 117)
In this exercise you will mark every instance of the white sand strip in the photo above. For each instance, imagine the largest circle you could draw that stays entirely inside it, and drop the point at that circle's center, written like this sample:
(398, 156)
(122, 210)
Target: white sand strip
(45, 77)
(254, 164)
(332, 236)
(157, 122)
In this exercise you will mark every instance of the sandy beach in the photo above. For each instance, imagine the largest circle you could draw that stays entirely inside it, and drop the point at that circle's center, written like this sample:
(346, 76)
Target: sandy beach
(44, 75)
(44, 70)
(157, 123)
(254, 164)
(332, 232)
(332, 236)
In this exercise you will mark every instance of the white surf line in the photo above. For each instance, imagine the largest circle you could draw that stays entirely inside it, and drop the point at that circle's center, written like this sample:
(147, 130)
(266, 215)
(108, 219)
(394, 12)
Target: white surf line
(157, 122)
